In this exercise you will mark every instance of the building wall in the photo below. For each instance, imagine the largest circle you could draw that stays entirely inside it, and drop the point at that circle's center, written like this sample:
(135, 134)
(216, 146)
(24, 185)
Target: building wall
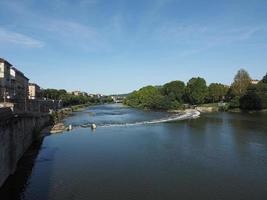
(1, 70)
(16, 136)
(21, 86)
(13, 83)
(5, 80)
(254, 82)
(34, 91)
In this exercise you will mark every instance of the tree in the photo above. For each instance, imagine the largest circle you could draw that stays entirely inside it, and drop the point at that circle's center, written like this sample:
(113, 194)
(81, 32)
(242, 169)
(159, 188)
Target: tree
(235, 102)
(151, 97)
(241, 82)
(148, 97)
(250, 101)
(174, 91)
(264, 79)
(53, 93)
(133, 99)
(68, 99)
(255, 97)
(217, 92)
(196, 90)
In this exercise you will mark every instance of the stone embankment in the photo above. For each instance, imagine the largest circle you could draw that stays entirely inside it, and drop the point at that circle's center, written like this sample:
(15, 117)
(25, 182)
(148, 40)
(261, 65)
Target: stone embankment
(204, 109)
(17, 133)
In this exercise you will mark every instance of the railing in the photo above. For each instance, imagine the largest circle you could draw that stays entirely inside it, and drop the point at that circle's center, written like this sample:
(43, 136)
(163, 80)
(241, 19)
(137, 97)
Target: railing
(31, 105)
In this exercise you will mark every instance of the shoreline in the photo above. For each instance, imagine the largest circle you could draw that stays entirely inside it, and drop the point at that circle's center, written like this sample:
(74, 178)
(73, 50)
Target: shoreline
(58, 116)
(205, 108)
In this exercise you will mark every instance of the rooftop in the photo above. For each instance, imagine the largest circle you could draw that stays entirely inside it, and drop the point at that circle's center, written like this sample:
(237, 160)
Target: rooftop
(19, 72)
(2, 60)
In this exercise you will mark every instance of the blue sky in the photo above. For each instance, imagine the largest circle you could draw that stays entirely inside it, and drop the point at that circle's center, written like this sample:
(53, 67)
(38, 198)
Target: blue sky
(116, 46)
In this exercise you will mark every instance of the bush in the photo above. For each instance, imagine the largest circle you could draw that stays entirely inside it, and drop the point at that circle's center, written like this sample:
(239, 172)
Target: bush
(235, 102)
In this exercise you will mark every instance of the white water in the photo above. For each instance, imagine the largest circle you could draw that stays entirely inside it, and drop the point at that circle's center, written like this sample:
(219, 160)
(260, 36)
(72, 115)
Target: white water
(188, 115)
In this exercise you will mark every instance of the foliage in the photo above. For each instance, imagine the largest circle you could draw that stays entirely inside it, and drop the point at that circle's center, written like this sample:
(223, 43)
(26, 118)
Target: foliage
(174, 91)
(196, 90)
(70, 99)
(216, 92)
(255, 98)
(241, 82)
(53, 94)
(250, 101)
(148, 97)
(175, 95)
(224, 106)
(234, 103)
(264, 79)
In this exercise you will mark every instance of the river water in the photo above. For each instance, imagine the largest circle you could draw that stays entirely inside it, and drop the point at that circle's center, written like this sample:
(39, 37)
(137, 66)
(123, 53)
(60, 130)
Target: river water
(216, 156)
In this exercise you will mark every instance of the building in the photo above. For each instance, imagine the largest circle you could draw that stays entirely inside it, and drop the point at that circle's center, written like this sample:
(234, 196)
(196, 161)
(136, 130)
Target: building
(254, 82)
(5, 80)
(19, 85)
(79, 93)
(76, 93)
(34, 91)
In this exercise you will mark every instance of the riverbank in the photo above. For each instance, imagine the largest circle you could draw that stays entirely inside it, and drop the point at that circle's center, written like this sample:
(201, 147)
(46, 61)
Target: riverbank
(63, 113)
(216, 107)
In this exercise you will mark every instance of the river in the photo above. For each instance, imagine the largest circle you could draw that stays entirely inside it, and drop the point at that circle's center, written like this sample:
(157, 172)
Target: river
(216, 156)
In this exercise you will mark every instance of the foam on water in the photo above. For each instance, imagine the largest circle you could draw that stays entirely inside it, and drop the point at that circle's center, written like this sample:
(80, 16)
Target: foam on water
(188, 115)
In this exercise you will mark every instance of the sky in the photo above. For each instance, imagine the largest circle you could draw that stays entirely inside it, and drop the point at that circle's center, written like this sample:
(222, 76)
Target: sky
(117, 46)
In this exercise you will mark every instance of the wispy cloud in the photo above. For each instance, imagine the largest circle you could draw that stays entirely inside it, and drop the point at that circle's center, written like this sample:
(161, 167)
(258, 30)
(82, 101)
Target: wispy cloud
(76, 34)
(55, 29)
(10, 37)
(195, 38)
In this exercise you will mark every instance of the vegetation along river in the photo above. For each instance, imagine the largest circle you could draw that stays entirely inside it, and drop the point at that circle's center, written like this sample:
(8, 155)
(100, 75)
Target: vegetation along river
(215, 156)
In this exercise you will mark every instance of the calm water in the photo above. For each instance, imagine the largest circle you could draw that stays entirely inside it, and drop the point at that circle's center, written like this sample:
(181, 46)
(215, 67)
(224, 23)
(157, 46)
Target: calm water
(217, 156)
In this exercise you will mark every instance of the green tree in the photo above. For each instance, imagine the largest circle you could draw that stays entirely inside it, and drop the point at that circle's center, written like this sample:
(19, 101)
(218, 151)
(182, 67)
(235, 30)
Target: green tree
(264, 79)
(148, 97)
(235, 102)
(196, 90)
(69, 99)
(132, 99)
(217, 92)
(255, 97)
(241, 82)
(250, 101)
(174, 91)
(151, 98)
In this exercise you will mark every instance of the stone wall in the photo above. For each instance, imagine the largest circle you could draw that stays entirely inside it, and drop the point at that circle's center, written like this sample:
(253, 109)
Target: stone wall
(16, 135)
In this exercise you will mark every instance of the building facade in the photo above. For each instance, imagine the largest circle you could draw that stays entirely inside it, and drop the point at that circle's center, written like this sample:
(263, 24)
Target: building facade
(34, 91)
(5, 80)
(19, 85)
(254, 82)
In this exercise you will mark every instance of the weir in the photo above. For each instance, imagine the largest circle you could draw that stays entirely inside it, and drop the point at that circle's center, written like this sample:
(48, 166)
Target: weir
(191, 114)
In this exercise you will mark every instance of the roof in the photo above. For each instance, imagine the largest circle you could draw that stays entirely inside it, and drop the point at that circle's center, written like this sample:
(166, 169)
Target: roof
(19, 72)
(34, 84)
(4, 61)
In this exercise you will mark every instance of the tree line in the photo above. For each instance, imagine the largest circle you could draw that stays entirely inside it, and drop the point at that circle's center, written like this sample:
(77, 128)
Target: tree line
(69, 99)
(176, 94)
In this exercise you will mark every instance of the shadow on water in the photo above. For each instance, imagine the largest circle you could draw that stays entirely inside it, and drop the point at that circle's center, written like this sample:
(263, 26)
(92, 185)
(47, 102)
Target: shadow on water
(36, 163)
(17, 183)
